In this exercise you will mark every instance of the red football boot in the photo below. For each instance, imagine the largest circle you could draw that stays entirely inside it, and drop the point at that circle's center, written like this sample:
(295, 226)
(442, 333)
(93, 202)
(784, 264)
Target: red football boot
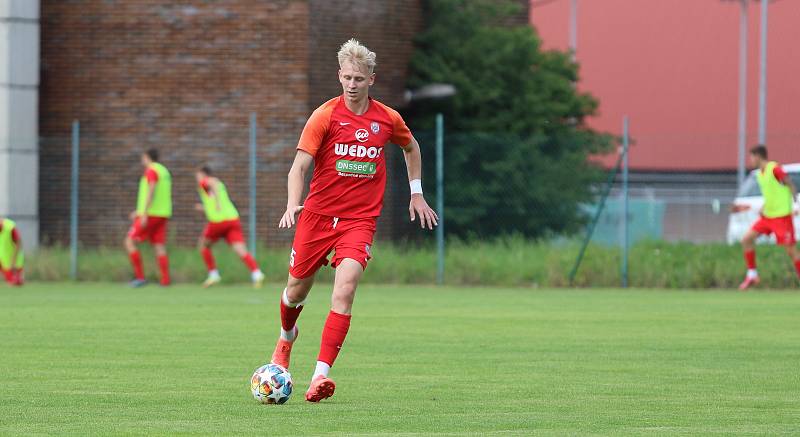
(749, 282)
(321, 388)
(283, 350)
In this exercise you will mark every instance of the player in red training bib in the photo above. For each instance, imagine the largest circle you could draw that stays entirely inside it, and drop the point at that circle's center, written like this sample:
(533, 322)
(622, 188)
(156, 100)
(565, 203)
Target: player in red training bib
(223, 222)
(344, 139)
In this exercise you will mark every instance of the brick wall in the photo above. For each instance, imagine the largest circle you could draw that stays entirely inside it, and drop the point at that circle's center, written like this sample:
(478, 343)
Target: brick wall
(184, 77)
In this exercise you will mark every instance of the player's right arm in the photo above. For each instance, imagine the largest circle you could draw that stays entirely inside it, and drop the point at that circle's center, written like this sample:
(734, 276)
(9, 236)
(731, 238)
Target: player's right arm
(784, 178)
(212, 192)
(15, 238)
(297, 177)
(310, 141)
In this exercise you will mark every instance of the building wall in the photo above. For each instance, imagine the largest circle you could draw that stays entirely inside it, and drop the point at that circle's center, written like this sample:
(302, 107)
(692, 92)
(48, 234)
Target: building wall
(19, 90)
(184, 78)
(672, 66)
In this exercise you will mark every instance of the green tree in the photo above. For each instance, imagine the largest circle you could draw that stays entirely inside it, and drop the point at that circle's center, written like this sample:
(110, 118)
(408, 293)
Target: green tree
(517, 146)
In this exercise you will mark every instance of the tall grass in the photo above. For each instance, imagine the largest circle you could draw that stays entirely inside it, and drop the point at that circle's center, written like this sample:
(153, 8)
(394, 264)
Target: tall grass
(508, 261)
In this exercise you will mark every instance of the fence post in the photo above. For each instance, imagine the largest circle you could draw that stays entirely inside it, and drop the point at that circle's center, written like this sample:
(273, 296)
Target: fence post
(625, 206)
(73, 222)
(252, 227)
(440, 198)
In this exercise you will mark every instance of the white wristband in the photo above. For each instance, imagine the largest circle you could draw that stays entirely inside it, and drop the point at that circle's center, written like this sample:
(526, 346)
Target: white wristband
(416, 186)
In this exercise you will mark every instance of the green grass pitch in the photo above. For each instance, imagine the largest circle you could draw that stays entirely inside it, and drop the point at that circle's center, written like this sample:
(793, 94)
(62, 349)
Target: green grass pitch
(88, 359)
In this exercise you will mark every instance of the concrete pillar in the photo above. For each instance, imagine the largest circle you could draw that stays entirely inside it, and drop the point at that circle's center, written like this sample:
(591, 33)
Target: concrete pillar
(19, 116)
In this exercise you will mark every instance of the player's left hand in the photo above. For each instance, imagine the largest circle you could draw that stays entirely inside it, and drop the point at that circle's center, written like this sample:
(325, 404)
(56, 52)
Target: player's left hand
(419, 207)
(143, 221)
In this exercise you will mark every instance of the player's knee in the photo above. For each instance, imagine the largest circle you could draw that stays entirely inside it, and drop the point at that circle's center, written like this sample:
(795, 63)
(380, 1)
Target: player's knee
(297, 289)
(345, 291)
(342, 300)
(239, 248)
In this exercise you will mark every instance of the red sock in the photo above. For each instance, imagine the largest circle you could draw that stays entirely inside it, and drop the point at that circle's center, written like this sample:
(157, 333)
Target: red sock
(333, 335)
(9, 276)
(250, 262)
(289, 315)
(163, 265)
(208, 257)
(750, 258)
(136, 262)
(797, 267)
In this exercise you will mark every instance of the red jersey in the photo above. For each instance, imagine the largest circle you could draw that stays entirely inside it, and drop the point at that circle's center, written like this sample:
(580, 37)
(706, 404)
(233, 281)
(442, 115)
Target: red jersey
(349, 164)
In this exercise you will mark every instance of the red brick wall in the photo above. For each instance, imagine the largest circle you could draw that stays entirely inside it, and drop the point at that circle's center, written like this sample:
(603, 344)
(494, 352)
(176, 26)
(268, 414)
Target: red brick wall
(183, 78)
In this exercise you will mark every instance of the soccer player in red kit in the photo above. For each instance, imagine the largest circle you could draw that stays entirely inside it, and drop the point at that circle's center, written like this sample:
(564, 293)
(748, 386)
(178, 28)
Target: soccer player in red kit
(12, 259)
(223, 222)
(153, 210)
(776, 214)
(344, 139)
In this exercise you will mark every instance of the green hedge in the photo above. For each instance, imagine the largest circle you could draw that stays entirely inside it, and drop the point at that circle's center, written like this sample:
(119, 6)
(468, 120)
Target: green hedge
(508, 262)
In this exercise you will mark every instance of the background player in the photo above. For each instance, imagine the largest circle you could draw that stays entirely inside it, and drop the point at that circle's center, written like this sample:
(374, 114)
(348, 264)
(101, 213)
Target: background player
(12, 258)
(779, 195)
(223, 222)
(153, 210)
(344, 139)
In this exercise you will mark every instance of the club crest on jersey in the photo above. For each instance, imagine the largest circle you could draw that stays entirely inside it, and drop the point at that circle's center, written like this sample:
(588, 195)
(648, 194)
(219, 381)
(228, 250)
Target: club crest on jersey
(362, 135)
(375, 127)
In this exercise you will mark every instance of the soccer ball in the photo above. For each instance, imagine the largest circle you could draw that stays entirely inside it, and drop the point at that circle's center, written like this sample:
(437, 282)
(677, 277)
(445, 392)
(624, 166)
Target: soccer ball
(271, 384)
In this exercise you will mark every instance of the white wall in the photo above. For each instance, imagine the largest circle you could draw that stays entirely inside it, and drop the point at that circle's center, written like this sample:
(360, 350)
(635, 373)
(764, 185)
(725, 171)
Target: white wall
(19, 115)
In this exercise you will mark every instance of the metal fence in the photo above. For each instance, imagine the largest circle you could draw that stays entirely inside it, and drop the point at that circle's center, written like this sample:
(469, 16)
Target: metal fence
(481, 186)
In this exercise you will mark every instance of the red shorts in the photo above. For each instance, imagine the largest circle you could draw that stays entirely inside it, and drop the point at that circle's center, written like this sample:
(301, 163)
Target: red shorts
(317, 235)
(782, 227)
(155, 232)
(230, 230)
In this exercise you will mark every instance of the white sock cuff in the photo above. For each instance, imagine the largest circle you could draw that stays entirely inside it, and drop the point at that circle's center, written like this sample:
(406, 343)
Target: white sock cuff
(285, 300)
(322, 369)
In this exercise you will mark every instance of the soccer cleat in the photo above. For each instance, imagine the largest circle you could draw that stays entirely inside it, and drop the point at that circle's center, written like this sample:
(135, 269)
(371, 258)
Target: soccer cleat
(136, 283)
(321, 388)
(749, 282)
(283, 350)
(258, 279)
(211, 281)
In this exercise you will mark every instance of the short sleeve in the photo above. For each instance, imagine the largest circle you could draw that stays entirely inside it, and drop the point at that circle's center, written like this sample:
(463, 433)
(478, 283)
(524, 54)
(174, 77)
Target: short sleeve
(151, 175)
(401, 135)
(779, 173)
(315, 130)
(15, 235)
(205, 185)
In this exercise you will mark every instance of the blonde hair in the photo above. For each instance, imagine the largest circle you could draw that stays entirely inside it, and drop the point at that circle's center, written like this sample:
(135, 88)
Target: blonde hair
(356, 53)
